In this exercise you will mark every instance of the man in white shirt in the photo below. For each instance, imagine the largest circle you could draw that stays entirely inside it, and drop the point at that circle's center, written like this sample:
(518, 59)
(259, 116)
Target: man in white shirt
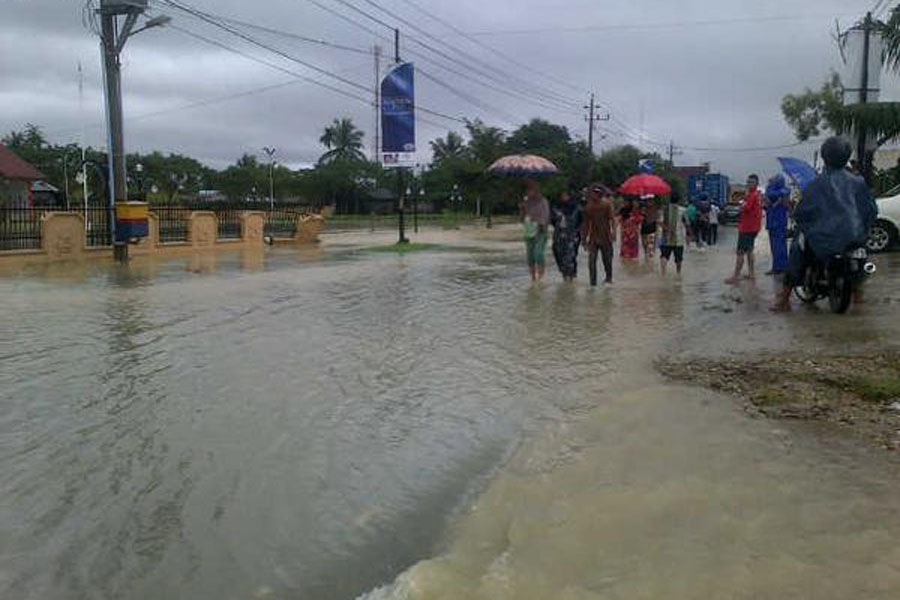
(712, 234)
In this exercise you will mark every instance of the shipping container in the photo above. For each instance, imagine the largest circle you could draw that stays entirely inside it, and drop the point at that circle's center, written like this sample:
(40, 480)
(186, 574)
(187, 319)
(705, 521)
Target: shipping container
(714, 185)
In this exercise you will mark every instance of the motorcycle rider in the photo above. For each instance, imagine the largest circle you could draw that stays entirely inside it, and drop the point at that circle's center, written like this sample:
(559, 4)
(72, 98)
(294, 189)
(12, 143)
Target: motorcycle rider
(834, 216)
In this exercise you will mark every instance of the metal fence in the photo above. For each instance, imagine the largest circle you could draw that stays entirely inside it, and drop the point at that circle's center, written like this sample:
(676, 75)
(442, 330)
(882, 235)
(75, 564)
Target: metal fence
(96, 225)
(173, 223)
(281, 222)
(20, 228)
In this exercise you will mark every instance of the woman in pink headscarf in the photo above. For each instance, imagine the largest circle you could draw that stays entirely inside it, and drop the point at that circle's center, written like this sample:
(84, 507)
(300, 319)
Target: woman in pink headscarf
(630, 219)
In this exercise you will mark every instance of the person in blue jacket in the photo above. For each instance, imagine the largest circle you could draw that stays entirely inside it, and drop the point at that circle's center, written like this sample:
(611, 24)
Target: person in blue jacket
(834, 216)
(777, 204)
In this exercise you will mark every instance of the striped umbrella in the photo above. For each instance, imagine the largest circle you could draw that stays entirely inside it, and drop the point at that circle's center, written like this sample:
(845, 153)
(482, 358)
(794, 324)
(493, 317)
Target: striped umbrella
(523, 165)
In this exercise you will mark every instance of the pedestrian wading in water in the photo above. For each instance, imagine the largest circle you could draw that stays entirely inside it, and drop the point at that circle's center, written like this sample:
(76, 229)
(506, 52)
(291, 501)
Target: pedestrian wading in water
(567, 216)
(535, 211)
(599, 230)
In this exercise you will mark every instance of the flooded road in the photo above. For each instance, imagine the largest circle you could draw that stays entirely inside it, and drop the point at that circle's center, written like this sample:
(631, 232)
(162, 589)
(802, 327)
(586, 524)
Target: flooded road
(333, 423)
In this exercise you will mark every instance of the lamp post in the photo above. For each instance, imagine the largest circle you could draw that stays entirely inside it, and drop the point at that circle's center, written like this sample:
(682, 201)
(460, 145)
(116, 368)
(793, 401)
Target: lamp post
(402, 239)
(416, 213)
(270, 152)
(139, 169)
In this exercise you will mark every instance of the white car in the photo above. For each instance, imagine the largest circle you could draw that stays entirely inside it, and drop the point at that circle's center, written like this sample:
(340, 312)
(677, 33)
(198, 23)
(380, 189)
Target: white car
(886, 231)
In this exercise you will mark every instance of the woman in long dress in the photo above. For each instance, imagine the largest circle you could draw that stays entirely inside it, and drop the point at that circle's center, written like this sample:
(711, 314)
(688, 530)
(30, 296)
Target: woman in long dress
(566, 217)
(630, 219)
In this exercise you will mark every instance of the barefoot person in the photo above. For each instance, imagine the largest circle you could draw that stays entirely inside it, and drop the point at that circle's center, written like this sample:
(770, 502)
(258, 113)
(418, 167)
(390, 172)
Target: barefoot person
(748, 228)
(835, 215)
(673, 234)
(649, 226)
(536, 219)
(599, 230)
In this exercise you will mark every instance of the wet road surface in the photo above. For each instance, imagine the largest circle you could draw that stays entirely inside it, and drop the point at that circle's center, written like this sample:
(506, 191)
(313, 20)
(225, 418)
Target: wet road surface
(331, 423)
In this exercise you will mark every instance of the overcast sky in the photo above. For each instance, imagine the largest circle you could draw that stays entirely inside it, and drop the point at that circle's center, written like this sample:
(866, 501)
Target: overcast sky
(704, 73)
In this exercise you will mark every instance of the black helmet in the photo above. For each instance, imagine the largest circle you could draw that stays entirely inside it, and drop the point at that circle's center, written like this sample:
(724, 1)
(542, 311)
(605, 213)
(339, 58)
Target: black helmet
(836, 151)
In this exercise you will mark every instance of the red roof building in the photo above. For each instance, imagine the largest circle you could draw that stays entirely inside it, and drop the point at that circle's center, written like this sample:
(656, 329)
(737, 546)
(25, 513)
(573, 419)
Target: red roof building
(13, 167)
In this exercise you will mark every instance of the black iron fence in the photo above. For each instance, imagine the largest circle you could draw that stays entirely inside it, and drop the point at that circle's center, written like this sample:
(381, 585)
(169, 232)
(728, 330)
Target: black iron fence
(20, 228)
(173, 223)
(96, 225)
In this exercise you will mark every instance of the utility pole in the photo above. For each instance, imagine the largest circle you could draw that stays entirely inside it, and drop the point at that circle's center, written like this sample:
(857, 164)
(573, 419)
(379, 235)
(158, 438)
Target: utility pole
(591, 119)
(862, 149)
(376, 152)
(112, 40)
(673, 152)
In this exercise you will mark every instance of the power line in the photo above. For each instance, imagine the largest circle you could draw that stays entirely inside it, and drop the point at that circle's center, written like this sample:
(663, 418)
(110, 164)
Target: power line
(651, 26)
(487, 47)
(299, 37)
(531, 93)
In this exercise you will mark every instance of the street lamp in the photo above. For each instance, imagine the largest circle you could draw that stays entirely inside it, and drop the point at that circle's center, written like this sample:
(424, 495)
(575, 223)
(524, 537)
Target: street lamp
(139, 169)
(416, 209)
(270, 152)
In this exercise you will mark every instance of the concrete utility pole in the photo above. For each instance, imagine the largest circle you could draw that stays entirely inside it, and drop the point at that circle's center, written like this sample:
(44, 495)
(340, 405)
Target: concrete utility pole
(401, 225)
(112, 40)
(376, 151)
(862, 150)
(591, 119)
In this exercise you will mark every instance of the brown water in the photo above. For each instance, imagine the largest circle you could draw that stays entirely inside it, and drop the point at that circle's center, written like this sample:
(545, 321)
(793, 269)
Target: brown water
(332, 424)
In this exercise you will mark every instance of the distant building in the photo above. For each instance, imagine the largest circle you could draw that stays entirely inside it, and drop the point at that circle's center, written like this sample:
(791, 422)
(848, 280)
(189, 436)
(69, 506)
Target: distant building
(16, 179)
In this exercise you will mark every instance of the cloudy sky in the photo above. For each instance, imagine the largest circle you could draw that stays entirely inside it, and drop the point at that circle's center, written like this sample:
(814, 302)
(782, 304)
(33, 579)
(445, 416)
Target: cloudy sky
(708, 75)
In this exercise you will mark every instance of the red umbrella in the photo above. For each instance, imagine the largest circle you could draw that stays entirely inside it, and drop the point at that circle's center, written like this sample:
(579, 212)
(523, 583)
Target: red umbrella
(645, 184)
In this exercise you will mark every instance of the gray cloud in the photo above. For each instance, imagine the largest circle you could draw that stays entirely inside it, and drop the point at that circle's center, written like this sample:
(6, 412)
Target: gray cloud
(714, 85)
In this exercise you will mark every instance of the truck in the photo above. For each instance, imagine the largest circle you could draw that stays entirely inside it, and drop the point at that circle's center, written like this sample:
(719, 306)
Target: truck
(714, 185)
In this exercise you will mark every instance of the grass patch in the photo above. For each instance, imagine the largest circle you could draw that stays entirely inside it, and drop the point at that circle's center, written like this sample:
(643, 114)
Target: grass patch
(403, 248)
(878, 388)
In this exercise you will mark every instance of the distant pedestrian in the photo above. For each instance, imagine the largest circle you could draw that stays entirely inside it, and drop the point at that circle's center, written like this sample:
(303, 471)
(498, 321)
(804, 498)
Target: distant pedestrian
(673, 234)
(535, 219)
(703, 208)
(748, 228)
(631, 219)
(649, 227)
(566, 216)
(691, 219)
(712, 237)
(599, 230)
(777, 205)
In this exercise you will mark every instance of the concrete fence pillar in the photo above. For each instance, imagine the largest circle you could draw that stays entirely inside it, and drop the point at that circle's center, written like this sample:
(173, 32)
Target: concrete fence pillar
(252, 226)
(308, 228)
(62, 235)
(203, 228)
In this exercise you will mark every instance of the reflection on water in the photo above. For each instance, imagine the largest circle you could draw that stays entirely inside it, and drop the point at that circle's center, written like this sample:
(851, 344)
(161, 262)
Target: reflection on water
(282, 424)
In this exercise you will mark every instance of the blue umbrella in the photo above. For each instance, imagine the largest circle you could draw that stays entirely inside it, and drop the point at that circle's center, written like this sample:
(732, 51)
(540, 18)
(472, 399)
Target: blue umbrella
(800, 172)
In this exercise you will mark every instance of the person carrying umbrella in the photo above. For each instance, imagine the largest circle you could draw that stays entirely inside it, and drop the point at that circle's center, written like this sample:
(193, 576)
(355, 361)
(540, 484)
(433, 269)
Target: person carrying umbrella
(536, 219)
(535, 209)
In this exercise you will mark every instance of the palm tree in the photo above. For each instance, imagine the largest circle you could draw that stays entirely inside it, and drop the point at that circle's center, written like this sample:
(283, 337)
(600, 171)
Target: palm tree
(343, 140)
(448, 148)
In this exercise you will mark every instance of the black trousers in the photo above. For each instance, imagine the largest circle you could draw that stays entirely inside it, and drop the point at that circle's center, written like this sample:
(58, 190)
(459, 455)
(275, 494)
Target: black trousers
(712, 234)
(607, 253)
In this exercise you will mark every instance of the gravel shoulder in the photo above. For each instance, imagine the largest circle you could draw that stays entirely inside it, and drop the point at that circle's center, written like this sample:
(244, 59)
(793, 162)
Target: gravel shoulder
(859, 394)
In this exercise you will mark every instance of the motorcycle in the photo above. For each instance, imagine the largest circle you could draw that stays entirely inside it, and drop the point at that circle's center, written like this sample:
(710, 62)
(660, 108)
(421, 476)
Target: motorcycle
(835, 278)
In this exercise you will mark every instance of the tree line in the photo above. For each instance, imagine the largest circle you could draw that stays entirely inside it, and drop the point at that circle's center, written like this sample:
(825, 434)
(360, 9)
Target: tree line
(344, 177)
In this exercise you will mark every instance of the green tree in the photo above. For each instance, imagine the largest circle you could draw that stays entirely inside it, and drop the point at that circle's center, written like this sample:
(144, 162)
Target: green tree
(815, 111)
(453, 147)
(343, 141)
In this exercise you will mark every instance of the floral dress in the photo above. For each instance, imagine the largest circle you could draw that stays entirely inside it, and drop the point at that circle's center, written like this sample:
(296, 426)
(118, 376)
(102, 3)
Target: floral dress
(566, 220)
(630, 221)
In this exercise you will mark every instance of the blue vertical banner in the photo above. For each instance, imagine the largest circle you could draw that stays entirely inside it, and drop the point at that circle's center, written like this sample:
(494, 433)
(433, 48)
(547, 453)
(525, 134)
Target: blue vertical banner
(398, 116)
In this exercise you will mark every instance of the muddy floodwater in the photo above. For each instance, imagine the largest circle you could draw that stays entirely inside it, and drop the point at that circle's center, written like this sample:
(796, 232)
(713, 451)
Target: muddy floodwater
(333, 424)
